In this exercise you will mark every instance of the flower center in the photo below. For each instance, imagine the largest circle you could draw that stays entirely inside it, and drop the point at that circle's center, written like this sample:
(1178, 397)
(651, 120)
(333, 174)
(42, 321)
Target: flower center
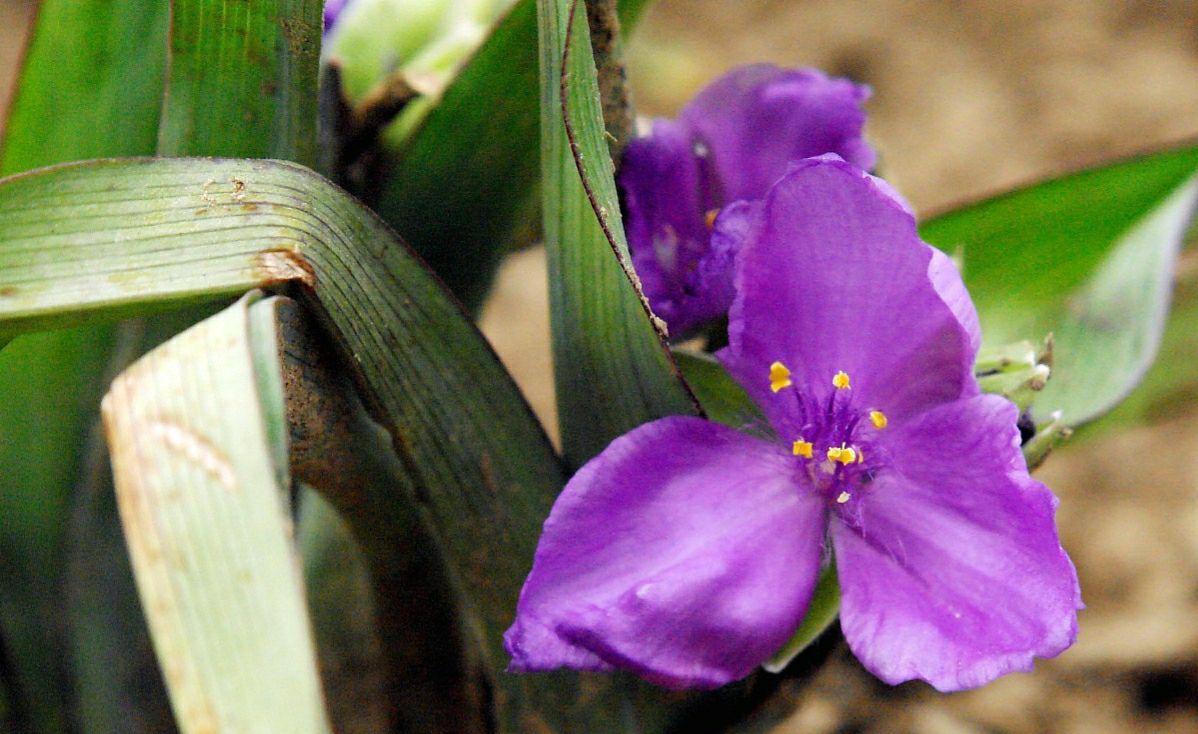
(837, 447)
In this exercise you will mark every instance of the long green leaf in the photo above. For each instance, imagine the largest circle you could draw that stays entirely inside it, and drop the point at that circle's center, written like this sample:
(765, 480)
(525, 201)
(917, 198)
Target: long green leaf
(612, 369)
(242, 79)
(91, 86)
(1088, 257)
(196, 430)
(111, 238)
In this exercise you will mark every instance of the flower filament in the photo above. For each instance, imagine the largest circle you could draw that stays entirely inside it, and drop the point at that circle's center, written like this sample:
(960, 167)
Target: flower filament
(831, 445)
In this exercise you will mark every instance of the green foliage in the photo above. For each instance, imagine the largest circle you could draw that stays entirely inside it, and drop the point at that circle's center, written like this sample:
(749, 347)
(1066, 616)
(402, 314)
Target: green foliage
(1088, 257)
(611, 365)
(91, 86)
(242, 79)
(461, 184)
(487, 472)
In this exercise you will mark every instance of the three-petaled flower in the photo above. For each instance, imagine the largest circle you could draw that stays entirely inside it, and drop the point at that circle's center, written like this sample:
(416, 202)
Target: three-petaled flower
(686, 185)
(687, 551)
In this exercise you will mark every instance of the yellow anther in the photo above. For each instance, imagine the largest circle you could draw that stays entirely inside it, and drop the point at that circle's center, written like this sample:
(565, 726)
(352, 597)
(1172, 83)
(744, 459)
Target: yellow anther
(844, 497)
(860, 456)
(709, 217)
(802, 448)
(878, 418)
(779, 376)
(841, 380)
(842, 454)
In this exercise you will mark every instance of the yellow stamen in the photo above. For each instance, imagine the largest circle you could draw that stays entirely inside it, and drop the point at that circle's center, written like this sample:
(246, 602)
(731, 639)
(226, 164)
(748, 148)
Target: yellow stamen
(842, 454)
(841, 380)
(844, 497)
(878, 418)
(860, 455)
(779, 376)
(710, 216)
(802, 448)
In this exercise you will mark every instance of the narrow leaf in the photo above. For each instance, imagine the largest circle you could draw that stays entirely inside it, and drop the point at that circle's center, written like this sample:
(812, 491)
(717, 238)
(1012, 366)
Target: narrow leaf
(198, 448)
(611, 366)
(242, 79)
(91, 85)
(722, 398)
(462, 183)
(1088, 257)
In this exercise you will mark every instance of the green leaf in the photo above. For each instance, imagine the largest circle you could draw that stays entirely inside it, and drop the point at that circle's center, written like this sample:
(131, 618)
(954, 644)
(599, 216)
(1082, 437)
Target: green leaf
(722, 398)
(1088, 257)
(91, 86)
(611, 366)
(196, 430)
(242, 79)
(110, 238)
(462, 185)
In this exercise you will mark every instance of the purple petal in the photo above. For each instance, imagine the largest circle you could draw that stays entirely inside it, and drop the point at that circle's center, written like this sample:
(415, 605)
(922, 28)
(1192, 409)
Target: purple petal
(950, 567)
(332, 9)
(946, 279)
(730, 144)
(684, 552)
(757, 120)
(713, 279)
(667, 233)
(834, 278)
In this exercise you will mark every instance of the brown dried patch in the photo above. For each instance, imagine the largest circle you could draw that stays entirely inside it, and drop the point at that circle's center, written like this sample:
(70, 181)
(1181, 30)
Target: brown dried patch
(9, 291)
(283, 266)
(486, 467)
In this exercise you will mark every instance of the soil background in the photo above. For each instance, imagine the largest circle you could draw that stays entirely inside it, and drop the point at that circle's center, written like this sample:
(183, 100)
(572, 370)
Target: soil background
(969, 97)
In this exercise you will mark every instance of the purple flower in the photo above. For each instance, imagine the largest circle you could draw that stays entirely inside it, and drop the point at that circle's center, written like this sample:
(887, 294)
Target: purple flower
(730, 144)
(687, 551)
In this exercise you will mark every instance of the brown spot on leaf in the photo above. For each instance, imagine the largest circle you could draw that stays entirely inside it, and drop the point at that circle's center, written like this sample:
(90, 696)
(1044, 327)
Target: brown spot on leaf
(282, 266)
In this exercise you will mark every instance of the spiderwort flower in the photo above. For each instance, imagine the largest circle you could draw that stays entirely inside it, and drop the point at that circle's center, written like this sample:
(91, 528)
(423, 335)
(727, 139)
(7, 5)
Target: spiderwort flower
(682, 184)
(687, 551)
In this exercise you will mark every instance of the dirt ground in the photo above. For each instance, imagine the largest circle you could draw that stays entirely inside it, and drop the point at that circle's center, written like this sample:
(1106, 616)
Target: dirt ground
(970, 97)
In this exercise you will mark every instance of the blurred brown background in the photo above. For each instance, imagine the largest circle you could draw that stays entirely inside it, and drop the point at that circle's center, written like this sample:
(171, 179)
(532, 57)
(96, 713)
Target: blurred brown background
(969, 97)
